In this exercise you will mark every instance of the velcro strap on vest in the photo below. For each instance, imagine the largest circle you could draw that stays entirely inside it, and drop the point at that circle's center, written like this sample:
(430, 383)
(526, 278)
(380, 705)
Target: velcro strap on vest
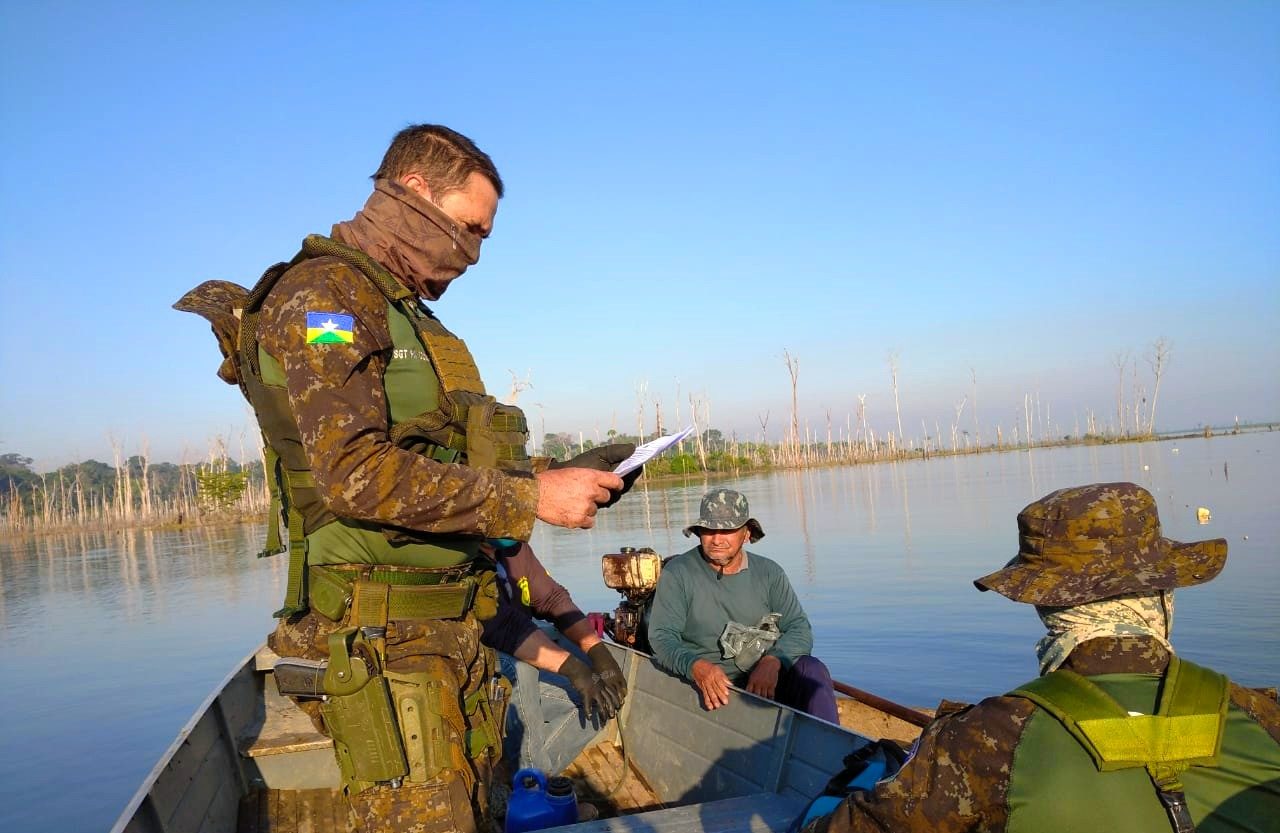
(1186, 729)
(300, 479)
(409, 593)
(295, 591)
(274, 473)
(1140, 740)
(369, 604)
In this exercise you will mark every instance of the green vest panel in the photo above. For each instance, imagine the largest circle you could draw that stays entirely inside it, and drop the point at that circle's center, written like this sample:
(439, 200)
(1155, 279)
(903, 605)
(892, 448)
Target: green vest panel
(1056, 787)
(412, 388)
(410, 382)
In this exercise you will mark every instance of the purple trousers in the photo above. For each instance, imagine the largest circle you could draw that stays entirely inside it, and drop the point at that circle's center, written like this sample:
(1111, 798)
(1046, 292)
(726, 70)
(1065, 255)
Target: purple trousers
(806, 686)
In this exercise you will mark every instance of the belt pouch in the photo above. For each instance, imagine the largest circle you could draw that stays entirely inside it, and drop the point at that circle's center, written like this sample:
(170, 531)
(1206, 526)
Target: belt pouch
(328, 594)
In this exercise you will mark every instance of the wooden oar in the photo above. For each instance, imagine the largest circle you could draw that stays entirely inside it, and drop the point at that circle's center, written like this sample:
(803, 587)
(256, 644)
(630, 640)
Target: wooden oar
(889, 707)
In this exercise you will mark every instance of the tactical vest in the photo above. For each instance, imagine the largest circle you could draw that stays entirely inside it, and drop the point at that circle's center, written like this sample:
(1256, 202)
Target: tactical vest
(438, 408)
(1085, 763)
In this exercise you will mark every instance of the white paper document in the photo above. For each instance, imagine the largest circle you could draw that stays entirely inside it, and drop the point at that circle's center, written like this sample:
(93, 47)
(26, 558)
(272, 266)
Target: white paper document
(649, 450)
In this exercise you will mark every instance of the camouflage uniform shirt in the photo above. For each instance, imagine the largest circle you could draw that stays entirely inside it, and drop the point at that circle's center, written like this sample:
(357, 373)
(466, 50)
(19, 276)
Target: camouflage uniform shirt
(958, 778)
(337, 398)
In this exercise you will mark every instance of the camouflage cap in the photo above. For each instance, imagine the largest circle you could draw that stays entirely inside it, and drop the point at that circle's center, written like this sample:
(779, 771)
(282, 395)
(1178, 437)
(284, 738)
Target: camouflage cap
(725, 509)
(1094, 542)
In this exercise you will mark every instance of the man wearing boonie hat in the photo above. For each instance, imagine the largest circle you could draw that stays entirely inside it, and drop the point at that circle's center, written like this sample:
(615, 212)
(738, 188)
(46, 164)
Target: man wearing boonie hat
(722, 616)
(1119, 733)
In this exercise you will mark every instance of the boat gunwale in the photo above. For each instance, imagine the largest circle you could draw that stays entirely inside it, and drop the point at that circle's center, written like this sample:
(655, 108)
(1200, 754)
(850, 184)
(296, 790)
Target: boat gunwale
(133, 809)
(143, 792)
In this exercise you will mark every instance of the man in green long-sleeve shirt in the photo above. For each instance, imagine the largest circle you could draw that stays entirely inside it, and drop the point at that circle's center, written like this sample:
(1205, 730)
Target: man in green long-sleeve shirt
(723, 616)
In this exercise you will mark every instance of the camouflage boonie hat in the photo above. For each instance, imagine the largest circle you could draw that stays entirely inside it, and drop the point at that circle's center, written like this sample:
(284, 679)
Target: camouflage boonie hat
(1095, 542)
(725, 509)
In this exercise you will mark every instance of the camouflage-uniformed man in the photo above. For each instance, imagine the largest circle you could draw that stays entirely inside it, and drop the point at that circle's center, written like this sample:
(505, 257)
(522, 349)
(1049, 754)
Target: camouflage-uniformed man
(395, 468)
(1118, 734)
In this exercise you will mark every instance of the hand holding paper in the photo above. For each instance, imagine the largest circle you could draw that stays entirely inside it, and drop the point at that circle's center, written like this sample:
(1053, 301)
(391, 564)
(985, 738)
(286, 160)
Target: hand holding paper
(649, 450)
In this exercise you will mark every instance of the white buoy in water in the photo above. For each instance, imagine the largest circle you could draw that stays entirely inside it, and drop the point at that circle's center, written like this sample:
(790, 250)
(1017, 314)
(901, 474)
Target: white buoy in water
(1203, 515)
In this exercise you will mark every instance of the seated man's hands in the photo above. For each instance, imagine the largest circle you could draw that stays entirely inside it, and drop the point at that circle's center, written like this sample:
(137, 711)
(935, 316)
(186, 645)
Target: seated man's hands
(763, 679)
(712, 682)
(569, 497)
(605, 458)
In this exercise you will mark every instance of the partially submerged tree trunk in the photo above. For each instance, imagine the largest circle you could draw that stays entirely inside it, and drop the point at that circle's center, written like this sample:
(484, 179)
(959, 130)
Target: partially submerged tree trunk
(893, 376)
(1159, 361)
(793, 369)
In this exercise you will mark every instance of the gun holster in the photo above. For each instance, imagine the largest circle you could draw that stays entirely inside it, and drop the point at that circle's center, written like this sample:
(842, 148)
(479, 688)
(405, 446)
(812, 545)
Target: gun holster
(359, 714)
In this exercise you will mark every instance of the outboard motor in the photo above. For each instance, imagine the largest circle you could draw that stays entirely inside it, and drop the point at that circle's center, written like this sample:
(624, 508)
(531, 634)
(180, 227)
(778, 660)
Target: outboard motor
(633, 573)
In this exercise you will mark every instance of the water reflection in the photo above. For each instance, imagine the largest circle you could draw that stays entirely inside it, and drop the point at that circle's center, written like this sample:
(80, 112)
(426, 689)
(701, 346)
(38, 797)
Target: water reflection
(801, 505)
(906, 518)
(883, 556)
(131, 629)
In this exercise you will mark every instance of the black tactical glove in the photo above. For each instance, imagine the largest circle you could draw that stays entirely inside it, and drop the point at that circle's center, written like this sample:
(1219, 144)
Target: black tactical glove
(604, 458)
(594, 694)
(611, 679)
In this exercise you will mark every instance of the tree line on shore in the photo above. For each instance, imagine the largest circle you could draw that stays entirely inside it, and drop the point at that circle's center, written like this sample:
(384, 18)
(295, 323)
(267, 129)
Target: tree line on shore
(132, 491)
(135, 491)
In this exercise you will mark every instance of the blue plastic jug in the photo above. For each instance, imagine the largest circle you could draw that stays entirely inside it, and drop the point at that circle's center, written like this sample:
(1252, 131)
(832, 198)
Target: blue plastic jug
(537, 802)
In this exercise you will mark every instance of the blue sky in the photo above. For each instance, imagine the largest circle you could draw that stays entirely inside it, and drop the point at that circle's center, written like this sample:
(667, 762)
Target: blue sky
(1023, 190)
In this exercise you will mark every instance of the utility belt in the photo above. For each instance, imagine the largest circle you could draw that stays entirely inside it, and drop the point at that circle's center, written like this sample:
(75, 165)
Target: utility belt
(393, 592)
(442, 714)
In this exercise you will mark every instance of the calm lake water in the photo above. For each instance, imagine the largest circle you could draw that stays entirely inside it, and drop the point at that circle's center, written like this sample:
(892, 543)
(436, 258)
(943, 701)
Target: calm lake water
(111, 641)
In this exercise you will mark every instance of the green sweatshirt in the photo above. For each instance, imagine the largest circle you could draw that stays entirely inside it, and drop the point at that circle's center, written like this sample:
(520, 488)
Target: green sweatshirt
(694, 602)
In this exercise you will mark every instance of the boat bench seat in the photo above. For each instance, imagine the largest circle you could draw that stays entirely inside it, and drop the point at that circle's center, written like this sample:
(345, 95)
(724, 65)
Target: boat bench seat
(757, 813)
(284, 749)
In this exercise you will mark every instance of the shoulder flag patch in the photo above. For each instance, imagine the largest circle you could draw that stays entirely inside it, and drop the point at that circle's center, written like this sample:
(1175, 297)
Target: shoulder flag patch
(330, 328)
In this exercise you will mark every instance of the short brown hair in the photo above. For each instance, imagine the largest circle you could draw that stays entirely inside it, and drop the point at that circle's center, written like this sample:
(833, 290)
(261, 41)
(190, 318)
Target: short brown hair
(444, 157)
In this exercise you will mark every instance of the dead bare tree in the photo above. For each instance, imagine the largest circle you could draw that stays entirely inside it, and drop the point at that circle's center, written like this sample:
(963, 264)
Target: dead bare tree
(829, 445)
(697, 433)
(146, 479)
(541, 440)
(1161, 349)
(862, 422)
(1120, 361)
(518, 385)
(793, 369)
(1139, 398)
(642, 389)
(955, 426)
(893, 377)
(678, 422)
(977, 429)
